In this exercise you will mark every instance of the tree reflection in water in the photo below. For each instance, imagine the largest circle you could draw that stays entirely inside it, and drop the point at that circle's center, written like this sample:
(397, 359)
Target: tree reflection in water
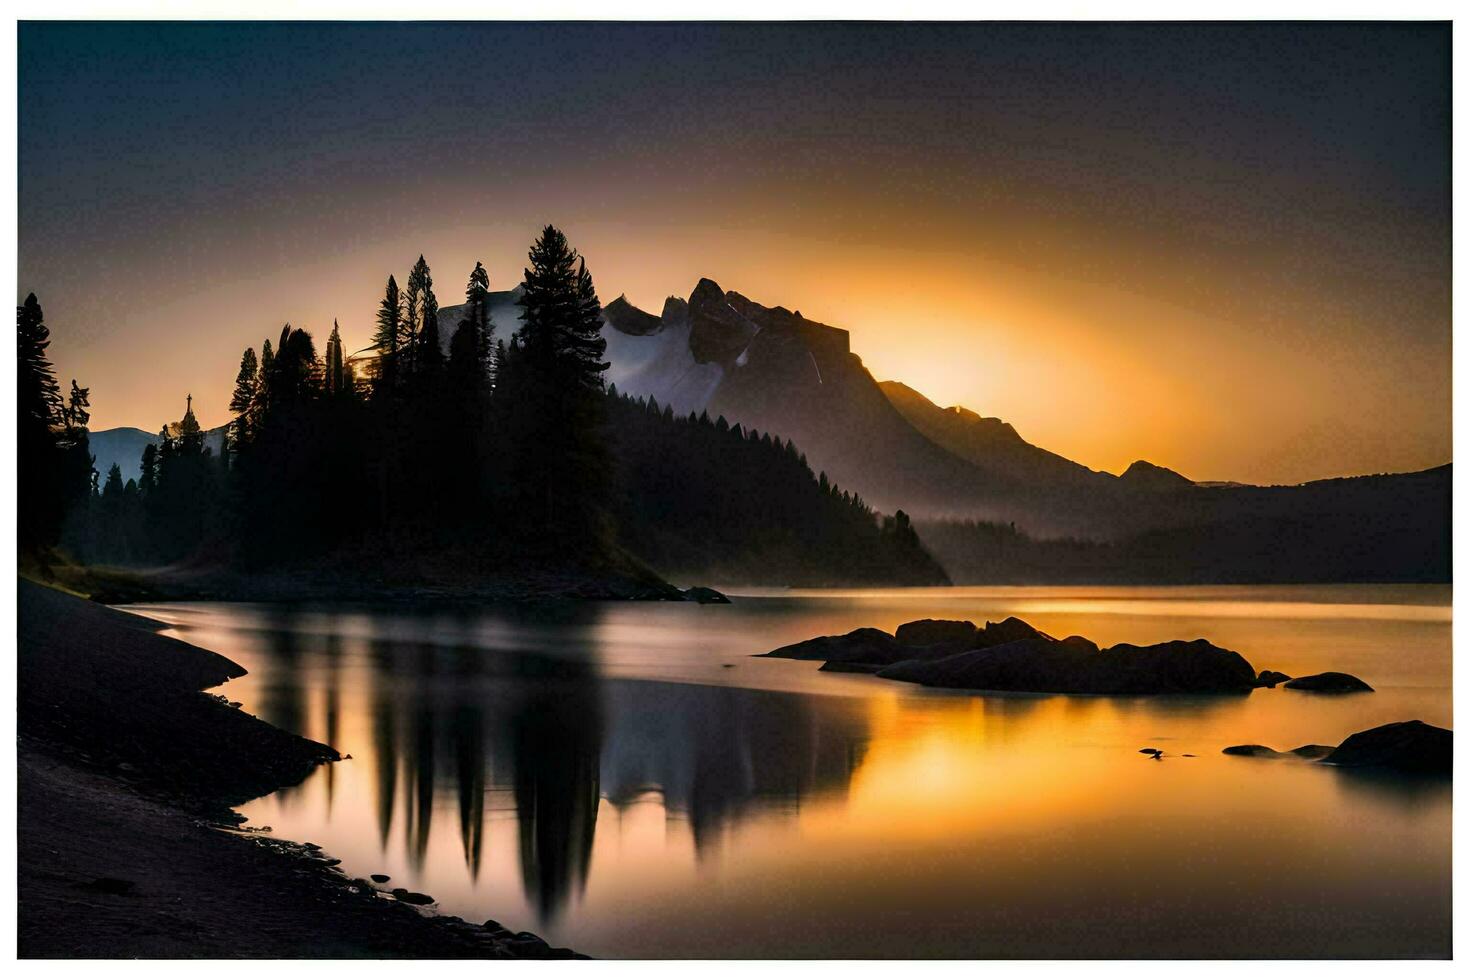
(451, 722)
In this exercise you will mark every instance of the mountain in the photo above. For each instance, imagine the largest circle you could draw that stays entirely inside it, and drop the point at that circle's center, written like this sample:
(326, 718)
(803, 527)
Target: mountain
(1392, 528)
(1147, 476)
(774, 370)
(989, 442)
(124, 446)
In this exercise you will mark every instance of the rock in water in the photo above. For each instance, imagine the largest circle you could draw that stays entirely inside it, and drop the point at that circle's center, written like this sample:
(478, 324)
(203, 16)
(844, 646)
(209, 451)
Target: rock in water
(861, 646)
(1331, 682)
(1076, 666)
(1270, 678)
(1254, 751)
(866, 650)
(412, 898)
(706, 596)
(927, 632)
(1312, 752)
(837, 667)
(1405, 746)
(1009, 630)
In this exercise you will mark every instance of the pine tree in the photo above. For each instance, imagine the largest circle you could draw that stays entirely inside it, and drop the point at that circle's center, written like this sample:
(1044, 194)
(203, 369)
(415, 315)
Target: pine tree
(421, 314)
(387, 338)
(113, 488)
(471, 349)
(243, 400)
(40, 498)
(148, 478)
(561, 456)
(78, 478)
(40, 397)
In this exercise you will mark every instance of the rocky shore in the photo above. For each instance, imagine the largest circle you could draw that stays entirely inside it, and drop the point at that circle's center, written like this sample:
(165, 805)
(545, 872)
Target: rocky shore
(128, 847)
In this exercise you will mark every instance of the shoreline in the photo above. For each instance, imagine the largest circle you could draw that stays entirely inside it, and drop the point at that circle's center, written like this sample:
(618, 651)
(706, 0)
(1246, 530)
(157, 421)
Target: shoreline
(127, 773)
(114, 586)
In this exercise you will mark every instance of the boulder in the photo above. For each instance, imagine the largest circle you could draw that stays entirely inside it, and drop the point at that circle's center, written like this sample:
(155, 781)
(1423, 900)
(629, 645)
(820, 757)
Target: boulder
(412, 898)
(861, 646)
(1270, 678)
(1009, 630)
(929, 632)
(1405, 746)
(1075, 666)
(1312, 752)
(837, 667)
(1331, 682)
(1254, 751)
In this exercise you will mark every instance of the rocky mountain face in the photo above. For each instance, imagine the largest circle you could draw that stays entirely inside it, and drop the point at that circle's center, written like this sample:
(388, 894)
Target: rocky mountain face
(774, 370)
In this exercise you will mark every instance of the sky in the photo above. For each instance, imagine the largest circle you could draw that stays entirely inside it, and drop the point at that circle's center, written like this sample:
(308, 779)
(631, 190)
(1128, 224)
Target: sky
(1221, 248)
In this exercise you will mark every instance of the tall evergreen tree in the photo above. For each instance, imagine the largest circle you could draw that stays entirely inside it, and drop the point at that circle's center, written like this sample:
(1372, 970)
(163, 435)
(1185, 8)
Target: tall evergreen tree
(387, 338)
(242, 401)
(78, 478)
(148, 477)
(39, 411)
(471, 349)
(562, 458)
(420, 314)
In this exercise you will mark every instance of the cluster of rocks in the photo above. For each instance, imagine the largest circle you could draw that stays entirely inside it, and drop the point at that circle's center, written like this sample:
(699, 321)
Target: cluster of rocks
(1404, 746)
(1014, 656)
(495, 939)
(489, 939)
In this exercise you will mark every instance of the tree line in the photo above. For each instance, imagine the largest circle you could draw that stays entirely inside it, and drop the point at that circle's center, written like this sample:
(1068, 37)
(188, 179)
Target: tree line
(417, 458)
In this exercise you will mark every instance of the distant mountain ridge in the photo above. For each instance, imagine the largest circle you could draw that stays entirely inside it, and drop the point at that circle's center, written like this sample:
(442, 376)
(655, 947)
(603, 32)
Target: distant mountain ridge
(124, 446)
(773, 369)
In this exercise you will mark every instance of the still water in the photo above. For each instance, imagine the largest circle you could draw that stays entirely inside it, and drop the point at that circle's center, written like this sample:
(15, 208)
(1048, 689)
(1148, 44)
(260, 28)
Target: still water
(624, 779)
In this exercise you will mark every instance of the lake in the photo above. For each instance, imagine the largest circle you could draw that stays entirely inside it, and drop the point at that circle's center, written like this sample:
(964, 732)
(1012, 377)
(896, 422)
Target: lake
(624, 779)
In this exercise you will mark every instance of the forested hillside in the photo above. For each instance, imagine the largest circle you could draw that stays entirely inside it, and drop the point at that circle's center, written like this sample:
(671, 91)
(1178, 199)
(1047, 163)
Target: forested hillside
(447, 462)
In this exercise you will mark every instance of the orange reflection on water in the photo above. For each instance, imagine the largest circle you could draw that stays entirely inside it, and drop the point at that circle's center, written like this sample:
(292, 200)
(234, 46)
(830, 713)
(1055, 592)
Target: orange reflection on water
(604, 779)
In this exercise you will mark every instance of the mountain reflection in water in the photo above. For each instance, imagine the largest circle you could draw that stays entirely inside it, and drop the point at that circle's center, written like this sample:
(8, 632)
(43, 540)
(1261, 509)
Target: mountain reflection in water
(626, 780)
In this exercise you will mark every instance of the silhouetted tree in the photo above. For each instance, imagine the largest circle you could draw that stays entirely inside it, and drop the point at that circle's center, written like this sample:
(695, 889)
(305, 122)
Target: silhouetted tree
(387, 339)
(471, 349)
(421, 315)
(337, 378)
(561, 459)
(243, 400)
(148, 478)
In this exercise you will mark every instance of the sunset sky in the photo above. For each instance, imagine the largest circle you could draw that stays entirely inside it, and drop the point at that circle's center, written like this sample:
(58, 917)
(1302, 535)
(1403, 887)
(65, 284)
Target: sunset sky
(1225, 249)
